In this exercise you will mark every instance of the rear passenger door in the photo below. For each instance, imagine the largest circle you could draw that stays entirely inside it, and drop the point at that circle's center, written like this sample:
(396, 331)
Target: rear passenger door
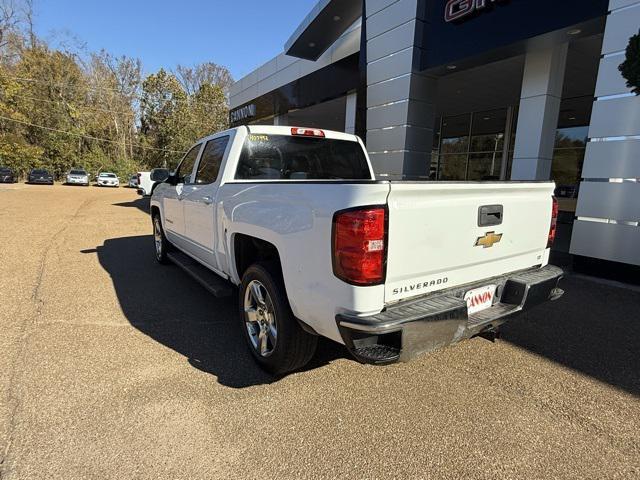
(199, 200)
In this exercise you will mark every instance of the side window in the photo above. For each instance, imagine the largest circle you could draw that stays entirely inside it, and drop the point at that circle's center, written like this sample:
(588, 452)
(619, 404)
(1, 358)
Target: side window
(186, 166)
(211, 160)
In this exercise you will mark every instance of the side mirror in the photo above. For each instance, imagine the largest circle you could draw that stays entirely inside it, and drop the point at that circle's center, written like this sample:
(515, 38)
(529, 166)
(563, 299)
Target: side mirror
(159, 175)
(172, 180)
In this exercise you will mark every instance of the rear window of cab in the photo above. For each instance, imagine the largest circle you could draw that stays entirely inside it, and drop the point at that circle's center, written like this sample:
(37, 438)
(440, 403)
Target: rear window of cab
(285, 157)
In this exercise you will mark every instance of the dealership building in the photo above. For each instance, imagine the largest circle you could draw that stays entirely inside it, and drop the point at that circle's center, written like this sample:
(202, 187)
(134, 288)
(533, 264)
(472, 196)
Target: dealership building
(473, 90)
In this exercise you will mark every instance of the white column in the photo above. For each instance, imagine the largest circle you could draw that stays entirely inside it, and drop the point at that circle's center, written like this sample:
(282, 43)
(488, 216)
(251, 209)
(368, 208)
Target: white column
(350, 114)
(538, 115)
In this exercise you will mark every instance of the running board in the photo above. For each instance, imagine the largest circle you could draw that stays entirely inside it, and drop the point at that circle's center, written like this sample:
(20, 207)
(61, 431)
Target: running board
(205, 277)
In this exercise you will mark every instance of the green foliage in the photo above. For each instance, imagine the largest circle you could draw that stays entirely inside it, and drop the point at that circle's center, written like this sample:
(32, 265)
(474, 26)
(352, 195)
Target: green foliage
(61, 110)
(630, 68)
(172, 119)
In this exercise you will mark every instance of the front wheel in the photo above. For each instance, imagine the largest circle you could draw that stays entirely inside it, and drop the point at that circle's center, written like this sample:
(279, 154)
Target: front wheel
(160, 240)
(273, 335)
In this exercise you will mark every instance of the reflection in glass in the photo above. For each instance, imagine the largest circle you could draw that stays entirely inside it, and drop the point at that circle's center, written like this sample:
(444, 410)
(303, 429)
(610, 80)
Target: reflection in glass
(484, 166)
(455, 134)
(452, 167)
(472, 146)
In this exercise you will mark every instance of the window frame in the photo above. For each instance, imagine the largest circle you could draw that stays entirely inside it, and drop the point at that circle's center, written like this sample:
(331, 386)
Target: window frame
(182, 177)
(225, 153)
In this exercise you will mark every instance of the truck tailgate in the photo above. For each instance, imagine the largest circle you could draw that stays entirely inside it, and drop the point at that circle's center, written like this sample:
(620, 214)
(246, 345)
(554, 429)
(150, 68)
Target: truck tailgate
(435, 241)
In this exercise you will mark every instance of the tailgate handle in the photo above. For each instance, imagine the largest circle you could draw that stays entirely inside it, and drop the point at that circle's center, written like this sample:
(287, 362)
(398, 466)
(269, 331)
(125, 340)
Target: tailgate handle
(490, 215)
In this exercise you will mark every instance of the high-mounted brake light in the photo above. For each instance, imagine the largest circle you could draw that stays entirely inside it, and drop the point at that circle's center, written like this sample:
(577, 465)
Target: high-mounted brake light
(554, 223)
(359, 245)
(307, 132)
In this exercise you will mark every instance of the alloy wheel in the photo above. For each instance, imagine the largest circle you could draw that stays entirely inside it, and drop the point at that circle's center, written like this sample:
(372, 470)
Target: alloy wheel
(260, 318)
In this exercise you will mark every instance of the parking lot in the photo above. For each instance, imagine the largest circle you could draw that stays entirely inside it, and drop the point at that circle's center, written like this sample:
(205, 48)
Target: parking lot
(116, 367)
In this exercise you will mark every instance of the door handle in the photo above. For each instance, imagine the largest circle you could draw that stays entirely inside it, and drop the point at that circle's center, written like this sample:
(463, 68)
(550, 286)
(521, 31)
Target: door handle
(208, 200)
(490, 215)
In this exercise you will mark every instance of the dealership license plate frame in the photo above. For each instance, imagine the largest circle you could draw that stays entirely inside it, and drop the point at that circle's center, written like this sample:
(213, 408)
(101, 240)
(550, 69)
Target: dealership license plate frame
(481, 298)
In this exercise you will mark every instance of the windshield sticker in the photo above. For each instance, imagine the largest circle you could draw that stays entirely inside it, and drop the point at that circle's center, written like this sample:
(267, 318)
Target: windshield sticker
(259, 138)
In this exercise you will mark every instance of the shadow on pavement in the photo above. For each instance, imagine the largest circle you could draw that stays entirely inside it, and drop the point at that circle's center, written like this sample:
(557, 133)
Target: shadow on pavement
(594, 329)
(141, 203)
(170, 307)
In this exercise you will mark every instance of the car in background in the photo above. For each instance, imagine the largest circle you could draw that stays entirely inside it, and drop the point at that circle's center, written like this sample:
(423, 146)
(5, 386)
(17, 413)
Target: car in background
(7, 175)
(147, 181)
(133, 181)
(108, 179)
(77, 177)
(39, 175)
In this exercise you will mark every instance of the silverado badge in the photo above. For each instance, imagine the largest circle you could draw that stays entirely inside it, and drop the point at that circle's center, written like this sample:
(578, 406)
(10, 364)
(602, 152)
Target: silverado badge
(488, 240)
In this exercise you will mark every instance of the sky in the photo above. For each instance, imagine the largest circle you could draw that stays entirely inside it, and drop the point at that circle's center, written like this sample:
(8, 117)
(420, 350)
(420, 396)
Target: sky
(239, 34)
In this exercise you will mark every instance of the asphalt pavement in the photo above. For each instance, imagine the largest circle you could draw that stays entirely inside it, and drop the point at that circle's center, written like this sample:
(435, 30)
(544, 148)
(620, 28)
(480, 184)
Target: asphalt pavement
(114, 367)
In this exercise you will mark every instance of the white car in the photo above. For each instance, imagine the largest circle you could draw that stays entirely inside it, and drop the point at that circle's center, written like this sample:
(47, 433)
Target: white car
(295, 218)
(77, 177)
(107, 179)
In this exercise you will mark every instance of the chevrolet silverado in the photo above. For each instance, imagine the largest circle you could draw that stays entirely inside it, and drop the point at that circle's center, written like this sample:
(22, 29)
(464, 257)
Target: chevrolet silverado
(295, 221)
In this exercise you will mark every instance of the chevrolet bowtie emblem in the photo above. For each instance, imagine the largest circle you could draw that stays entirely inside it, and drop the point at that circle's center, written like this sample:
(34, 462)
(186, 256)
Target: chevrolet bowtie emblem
(488, 240)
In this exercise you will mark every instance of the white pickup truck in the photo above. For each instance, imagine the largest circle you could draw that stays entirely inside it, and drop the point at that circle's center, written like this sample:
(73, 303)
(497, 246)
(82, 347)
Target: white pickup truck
(295, 218)
(147, 181)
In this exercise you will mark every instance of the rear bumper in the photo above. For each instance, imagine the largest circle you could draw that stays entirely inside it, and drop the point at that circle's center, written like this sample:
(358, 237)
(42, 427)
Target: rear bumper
(407, 329)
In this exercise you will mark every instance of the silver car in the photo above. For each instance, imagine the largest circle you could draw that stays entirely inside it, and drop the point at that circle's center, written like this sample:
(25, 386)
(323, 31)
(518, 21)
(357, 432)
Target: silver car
(77, 177)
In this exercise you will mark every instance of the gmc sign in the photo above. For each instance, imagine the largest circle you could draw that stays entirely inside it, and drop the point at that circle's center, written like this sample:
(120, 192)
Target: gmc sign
(460, 9)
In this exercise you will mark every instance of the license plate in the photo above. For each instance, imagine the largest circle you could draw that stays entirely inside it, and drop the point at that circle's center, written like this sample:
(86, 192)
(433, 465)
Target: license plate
(480, 299)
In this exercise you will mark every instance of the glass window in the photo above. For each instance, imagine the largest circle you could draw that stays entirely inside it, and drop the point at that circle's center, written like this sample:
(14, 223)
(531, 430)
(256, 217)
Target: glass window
(453, 167)
(487, 131)
(484, 166)
(455, 134)
(572, 137)
(472, 146)
(284, 157)
(184, 170)
(211, 160)
(568, 159)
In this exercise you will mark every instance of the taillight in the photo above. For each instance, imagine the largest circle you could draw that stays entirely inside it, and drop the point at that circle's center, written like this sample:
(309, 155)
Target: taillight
(307, 132)
(359, 245)
(554, 223)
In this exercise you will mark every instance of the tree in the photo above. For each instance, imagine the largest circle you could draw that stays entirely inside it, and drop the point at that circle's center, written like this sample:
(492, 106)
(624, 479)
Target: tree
(164, 119)
(172, 119)
(64, 107)
(630, 68)
(15, 18)
(209, 110)
(45, 92)
(193, 78)
(111, 112)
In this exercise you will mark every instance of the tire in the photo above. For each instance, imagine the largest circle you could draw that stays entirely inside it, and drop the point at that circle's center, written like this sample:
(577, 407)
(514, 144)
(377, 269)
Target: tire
(288, 347)
(161, 244)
